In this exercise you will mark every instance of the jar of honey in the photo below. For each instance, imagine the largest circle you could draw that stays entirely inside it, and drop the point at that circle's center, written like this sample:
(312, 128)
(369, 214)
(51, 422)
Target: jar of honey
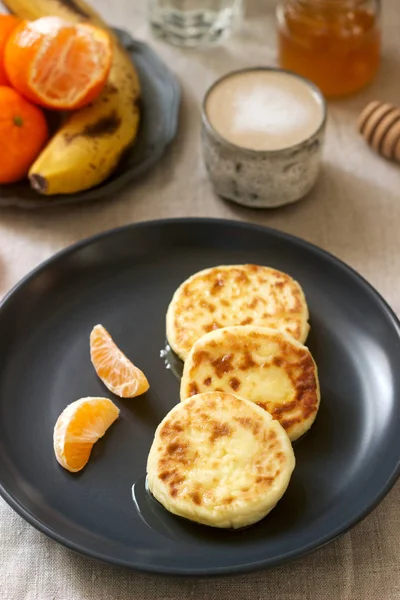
(334, 43)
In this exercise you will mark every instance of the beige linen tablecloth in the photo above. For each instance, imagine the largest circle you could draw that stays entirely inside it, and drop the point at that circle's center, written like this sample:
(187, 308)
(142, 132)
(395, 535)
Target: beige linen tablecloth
(354, 212)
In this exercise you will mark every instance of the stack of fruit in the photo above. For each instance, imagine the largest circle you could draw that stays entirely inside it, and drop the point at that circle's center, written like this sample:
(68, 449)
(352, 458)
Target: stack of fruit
(59, 57)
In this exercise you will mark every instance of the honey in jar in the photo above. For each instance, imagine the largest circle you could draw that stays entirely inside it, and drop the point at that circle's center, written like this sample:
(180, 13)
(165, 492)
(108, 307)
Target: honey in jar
(334, 43)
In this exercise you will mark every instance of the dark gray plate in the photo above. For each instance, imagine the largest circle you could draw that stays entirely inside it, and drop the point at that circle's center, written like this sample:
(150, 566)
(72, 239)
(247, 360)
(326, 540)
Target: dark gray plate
(125, 280)
(159, 122)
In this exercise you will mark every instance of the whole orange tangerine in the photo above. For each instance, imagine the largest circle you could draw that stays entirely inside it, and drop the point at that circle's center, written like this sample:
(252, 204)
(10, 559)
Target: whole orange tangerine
(57, 64)
(7, 24)
(23, 133)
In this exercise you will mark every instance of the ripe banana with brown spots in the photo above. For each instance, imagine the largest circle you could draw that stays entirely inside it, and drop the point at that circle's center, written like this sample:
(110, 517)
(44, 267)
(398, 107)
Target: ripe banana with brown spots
(89, 144)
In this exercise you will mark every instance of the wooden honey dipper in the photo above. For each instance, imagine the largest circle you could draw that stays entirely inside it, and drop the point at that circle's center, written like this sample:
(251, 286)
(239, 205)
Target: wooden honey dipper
(379, 124)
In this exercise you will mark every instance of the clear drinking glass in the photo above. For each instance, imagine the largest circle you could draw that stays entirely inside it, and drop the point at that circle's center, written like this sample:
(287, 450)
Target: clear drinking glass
(193, 22)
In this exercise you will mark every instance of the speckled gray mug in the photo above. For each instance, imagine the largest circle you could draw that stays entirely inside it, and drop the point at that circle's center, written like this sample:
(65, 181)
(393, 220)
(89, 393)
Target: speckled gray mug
(262, 178)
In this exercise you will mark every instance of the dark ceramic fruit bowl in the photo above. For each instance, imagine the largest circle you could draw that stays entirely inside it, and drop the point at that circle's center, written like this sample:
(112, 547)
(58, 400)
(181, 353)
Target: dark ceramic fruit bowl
(160, 98)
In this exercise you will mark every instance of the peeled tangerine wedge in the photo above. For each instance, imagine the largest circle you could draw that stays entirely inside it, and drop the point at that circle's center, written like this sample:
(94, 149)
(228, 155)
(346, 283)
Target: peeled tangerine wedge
(79, 427)
(112, 366)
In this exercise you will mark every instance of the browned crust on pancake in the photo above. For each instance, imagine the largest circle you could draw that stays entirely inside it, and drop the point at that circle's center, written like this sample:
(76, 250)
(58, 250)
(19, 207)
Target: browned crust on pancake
(177, 456)
(294, 358)
(216, 279)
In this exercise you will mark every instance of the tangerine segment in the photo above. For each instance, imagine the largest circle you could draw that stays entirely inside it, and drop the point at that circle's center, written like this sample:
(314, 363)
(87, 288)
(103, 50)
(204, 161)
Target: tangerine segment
(112, 366)
(79, 427)
(58, 64)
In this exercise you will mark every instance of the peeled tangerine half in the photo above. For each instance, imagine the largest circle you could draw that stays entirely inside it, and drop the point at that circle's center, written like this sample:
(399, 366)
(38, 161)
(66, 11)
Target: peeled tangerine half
(79, 427)
(115, 370)
(58, 64)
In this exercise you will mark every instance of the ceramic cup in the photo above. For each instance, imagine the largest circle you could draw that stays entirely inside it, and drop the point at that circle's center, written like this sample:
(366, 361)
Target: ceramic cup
(263, 178)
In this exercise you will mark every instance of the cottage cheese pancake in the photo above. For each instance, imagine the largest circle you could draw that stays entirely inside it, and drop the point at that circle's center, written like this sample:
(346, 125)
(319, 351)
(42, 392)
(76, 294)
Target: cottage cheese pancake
(264, 366)
(219, 460)
(235, 295)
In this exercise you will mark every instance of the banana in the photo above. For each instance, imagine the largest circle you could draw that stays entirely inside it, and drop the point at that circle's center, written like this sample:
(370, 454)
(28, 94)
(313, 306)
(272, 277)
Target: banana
(89, 144)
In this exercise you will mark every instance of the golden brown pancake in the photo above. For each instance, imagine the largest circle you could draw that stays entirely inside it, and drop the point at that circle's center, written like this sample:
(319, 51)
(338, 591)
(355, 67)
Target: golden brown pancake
(263, 365)
(235, 295)
(219, 460)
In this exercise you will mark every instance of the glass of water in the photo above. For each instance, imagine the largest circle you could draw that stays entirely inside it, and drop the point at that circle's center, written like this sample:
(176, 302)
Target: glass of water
(193, 22)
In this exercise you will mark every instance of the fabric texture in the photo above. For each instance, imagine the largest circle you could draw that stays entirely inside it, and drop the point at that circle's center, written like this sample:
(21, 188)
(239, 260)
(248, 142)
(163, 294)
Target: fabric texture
(353, 212)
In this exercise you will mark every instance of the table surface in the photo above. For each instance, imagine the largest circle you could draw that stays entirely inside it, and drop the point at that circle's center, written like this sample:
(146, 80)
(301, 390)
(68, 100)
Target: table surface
(354, 212)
